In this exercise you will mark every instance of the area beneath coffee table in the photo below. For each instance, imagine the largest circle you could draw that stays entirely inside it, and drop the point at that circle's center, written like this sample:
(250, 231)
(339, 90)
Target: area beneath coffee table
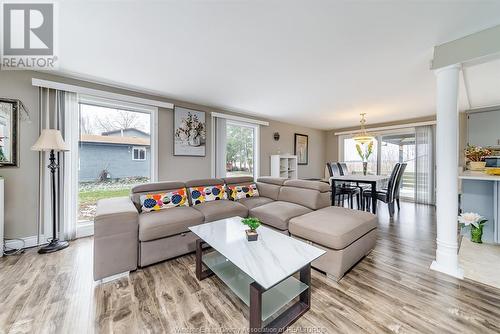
(273, 299)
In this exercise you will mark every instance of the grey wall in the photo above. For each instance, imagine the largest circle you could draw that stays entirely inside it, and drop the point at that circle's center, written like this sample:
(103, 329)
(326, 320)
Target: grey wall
(21, 183)
(115, 158)
(21, 206)
(317, 141)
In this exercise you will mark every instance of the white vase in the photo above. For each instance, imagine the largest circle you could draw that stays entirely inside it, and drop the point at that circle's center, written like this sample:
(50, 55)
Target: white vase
(195, 141)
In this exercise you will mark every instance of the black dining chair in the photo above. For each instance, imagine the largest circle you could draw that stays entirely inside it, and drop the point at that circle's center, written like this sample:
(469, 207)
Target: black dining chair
(344, 170)
(344, 189)
(388, 195)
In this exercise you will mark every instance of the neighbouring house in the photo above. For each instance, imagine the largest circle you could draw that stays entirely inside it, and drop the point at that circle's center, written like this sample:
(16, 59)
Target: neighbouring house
(114, 155)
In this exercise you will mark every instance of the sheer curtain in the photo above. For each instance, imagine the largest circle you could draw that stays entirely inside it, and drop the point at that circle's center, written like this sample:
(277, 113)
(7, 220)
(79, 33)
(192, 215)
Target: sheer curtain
(220, 141)
(424, 139)
(58, 110)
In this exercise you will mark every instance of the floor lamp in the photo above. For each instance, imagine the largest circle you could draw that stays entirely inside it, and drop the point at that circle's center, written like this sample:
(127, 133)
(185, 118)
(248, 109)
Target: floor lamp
(52, 141)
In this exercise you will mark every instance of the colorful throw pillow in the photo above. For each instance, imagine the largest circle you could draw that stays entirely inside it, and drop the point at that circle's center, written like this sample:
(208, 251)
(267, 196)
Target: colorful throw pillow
(160, 201)
(207, 193)
(243, 191)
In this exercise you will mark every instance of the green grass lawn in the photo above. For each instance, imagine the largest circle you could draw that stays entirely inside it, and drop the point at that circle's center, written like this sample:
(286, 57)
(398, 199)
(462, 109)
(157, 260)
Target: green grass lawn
(92, 196)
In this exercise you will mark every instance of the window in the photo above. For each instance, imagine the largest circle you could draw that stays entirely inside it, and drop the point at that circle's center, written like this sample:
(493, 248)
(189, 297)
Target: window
(116, 151)
(240, 149)
(138, 153)
(236, 148)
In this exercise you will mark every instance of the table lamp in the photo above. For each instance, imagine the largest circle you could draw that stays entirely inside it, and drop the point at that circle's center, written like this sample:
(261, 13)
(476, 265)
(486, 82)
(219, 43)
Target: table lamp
(51, 140)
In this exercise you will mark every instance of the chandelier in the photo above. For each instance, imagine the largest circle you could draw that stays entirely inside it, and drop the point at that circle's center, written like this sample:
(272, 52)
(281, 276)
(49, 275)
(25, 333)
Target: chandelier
(363, 137)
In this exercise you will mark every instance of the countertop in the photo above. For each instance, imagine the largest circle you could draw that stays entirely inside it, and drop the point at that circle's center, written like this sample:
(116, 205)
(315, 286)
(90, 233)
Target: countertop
(471, 175)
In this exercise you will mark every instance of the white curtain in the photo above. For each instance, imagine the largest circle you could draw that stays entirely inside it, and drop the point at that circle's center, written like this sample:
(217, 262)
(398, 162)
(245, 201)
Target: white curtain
(57, 111)
(220, 132)
(424, 138)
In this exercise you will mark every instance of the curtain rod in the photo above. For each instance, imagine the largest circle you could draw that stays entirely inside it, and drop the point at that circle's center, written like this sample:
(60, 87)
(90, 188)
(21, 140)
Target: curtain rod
(239, 118)
(99, 93)
(388, 127)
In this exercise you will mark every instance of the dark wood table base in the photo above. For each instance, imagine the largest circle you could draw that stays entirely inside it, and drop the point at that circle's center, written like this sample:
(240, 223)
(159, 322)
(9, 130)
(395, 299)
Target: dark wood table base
(285, 319)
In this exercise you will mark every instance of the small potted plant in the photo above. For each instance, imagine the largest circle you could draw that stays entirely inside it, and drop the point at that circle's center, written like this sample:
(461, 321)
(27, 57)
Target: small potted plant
(253, 224)
(475, 156)
(476, 223)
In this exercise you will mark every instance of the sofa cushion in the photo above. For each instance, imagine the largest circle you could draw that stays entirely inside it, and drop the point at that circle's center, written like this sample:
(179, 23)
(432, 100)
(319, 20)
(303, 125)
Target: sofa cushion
(313, 199)
(253, 202)
(221, 209)
(333, 227)
(238, 180)
(164, 223)
(278, 213)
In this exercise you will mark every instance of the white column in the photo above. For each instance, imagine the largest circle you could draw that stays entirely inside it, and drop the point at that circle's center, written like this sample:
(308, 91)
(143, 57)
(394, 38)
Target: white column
(447, 171)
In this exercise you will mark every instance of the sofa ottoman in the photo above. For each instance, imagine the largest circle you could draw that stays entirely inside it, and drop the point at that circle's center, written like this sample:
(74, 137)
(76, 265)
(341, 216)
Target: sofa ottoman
(277, 214)
(346, 235)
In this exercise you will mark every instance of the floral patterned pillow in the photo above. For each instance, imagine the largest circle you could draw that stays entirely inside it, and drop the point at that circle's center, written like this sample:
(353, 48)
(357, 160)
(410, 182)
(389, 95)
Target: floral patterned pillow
(207, 193)
(160, 201)
(243, 191)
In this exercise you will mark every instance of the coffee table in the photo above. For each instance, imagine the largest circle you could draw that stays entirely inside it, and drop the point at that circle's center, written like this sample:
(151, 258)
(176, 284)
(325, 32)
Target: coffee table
(260, 273)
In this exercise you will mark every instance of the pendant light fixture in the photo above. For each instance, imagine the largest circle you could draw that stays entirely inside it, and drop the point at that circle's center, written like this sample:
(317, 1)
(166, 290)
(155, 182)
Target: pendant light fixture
(363, 137)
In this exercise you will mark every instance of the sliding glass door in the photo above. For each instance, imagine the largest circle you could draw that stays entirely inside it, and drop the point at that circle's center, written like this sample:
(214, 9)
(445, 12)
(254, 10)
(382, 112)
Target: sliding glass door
(399, 147)
(413, 146)
(115, 152)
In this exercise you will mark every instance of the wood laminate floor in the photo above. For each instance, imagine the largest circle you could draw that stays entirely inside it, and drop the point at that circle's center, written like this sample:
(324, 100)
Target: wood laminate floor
(391, 290)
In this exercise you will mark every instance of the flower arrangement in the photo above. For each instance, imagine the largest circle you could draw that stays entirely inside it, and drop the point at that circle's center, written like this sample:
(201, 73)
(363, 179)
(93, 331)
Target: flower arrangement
(476, 223)
(476, 153)
(191, 130)
(253, 224)
(364, 154)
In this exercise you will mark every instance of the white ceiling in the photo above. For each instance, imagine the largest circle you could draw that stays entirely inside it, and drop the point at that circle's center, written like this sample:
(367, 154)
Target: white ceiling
(317, 64)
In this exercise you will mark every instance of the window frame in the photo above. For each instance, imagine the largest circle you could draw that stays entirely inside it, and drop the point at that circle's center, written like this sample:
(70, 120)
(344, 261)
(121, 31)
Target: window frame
(139, 149)
(86, 228)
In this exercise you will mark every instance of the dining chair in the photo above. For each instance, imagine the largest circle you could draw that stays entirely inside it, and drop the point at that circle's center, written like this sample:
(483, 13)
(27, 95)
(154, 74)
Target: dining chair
(344, 189)
(344, 170)
(388, 195)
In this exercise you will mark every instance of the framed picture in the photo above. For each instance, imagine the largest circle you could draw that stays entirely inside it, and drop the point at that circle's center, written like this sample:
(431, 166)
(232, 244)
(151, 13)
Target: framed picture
(301, 148)
(190, 133)
(9, 132)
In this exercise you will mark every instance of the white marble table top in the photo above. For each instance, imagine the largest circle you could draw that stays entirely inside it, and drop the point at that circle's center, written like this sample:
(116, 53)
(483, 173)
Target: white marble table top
(269, 260)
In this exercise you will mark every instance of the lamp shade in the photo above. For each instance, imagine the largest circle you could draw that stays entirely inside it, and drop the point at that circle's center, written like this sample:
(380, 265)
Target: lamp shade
(49, 140)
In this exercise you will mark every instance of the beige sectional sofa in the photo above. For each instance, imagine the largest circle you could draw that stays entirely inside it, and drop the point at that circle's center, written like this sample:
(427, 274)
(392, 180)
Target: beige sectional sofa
(126, 238)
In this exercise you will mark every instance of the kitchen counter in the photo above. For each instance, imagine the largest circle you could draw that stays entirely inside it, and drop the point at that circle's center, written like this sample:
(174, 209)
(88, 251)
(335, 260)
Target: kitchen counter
(472, 175)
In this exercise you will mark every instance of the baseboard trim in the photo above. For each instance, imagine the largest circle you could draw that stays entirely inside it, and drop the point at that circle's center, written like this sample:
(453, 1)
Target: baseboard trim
(28, 242)
(452, 271)
(113, 277)
(84, 230)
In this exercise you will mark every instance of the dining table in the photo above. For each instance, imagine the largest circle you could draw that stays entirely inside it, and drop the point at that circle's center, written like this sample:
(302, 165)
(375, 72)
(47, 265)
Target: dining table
(372, 180)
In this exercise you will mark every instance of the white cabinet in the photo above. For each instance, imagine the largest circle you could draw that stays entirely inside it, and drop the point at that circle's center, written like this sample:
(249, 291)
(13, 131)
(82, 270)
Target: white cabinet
(484, 128)
(284, 166)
